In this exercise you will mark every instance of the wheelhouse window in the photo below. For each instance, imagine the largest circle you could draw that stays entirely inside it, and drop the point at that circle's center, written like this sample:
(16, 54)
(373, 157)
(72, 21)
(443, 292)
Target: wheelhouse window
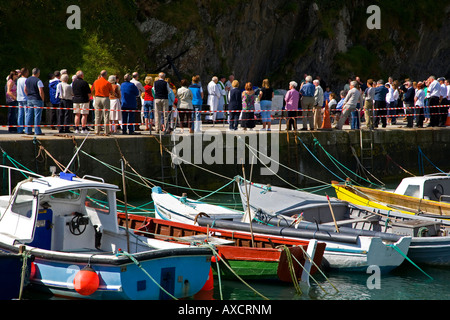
(67, 195)
(98, 200)
(23, 203)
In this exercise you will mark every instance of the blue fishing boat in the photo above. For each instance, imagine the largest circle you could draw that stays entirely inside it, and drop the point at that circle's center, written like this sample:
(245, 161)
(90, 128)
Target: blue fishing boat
(69, 225)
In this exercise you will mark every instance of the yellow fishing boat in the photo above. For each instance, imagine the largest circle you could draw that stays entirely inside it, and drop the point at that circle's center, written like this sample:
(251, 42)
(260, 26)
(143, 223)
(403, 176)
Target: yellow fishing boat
(415, 195)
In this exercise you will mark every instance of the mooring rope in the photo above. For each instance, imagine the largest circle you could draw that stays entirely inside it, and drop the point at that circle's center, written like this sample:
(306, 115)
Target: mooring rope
(407, 258)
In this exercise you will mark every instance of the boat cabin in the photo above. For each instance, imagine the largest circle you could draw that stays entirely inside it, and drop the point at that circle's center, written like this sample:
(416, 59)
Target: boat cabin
(434, 187)
(60, 213)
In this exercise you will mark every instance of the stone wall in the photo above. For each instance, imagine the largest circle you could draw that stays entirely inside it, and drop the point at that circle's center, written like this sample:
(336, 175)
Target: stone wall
(396, 152)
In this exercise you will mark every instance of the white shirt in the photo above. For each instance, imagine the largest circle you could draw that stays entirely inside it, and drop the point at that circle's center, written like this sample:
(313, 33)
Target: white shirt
(444, 91)
(213, 89)
(21, 96)
(420, 95)
(390, 95)
(139, 85)
(395, 95)
(448, 91)
(434, 90)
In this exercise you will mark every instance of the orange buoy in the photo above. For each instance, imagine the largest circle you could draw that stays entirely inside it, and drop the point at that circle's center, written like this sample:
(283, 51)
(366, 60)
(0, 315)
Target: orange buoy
(86, 281)
(209, 284)
(216, 258)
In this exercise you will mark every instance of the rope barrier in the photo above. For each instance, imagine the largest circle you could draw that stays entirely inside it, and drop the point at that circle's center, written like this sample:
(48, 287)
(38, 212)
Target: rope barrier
(209, 112)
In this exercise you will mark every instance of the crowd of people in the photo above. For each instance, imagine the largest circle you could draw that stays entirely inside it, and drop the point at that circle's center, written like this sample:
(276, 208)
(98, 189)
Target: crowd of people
(114, 103)
(122, 105)
(371, 102)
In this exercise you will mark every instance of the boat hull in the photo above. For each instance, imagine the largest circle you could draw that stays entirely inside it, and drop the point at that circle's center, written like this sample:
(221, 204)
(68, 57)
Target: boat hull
(181, 273)
(356, 254)
(386, 200)
(258, 257)
(11, 275)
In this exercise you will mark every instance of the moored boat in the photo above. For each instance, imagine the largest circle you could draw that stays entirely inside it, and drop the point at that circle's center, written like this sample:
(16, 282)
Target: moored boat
(426, 194)
(253, 257)
(429, 235)
(70, 226)
(351, 252)
(182, 209)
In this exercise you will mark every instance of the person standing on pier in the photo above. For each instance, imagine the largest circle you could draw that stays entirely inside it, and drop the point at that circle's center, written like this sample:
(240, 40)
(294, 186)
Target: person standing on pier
(81, 101)
(66, 102)
(380, 104)
(235, 105)
(307, 103)
(318, 104)
(129, 92)
(351, 101)
(223, 99)
(408, 100)
(443, 110)
(248, 104)
(54, 99)
(265, 97)
(369, 96)
(102, 89)
(434, 93)
(21, 99)
(34, 89)
(213, 98)
(197, 102)
(292, 98)
(11, 100)
(419, 103)
(161, 98)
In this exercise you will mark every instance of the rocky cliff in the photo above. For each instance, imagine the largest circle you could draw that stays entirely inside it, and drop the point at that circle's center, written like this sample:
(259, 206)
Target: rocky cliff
(284, 39)
(253, 39)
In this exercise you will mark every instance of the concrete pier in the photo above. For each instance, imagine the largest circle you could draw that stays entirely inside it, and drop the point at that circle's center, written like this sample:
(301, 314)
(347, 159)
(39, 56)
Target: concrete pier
(313, 154)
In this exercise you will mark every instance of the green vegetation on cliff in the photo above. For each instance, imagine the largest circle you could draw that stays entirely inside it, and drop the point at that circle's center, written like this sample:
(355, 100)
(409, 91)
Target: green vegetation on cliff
(34, 34)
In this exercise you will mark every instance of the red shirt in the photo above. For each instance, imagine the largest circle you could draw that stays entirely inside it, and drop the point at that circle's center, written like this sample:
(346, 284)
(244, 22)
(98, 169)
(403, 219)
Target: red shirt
(102, 87)
(148, 93)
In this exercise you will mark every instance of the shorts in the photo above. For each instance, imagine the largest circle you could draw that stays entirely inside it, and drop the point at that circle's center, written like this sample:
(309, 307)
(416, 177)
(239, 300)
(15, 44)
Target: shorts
(82, 108)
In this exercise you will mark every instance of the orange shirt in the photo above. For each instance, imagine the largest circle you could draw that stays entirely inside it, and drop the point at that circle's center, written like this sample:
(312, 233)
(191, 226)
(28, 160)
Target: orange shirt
(102, 87)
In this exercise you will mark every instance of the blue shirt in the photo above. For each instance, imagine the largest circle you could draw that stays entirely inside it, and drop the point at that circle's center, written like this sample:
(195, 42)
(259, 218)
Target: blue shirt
(308, 90)
(129, 95)
(197, 94)
(380, 93)
(52, 91)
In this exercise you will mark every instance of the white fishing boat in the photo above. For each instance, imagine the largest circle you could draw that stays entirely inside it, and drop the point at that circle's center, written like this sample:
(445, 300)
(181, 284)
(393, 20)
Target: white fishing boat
(182, 209)
(70, 227)
(348, 252)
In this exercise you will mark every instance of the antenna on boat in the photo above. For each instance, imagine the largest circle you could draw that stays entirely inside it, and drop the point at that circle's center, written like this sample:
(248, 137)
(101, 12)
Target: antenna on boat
(126, 202)
(76, 153)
